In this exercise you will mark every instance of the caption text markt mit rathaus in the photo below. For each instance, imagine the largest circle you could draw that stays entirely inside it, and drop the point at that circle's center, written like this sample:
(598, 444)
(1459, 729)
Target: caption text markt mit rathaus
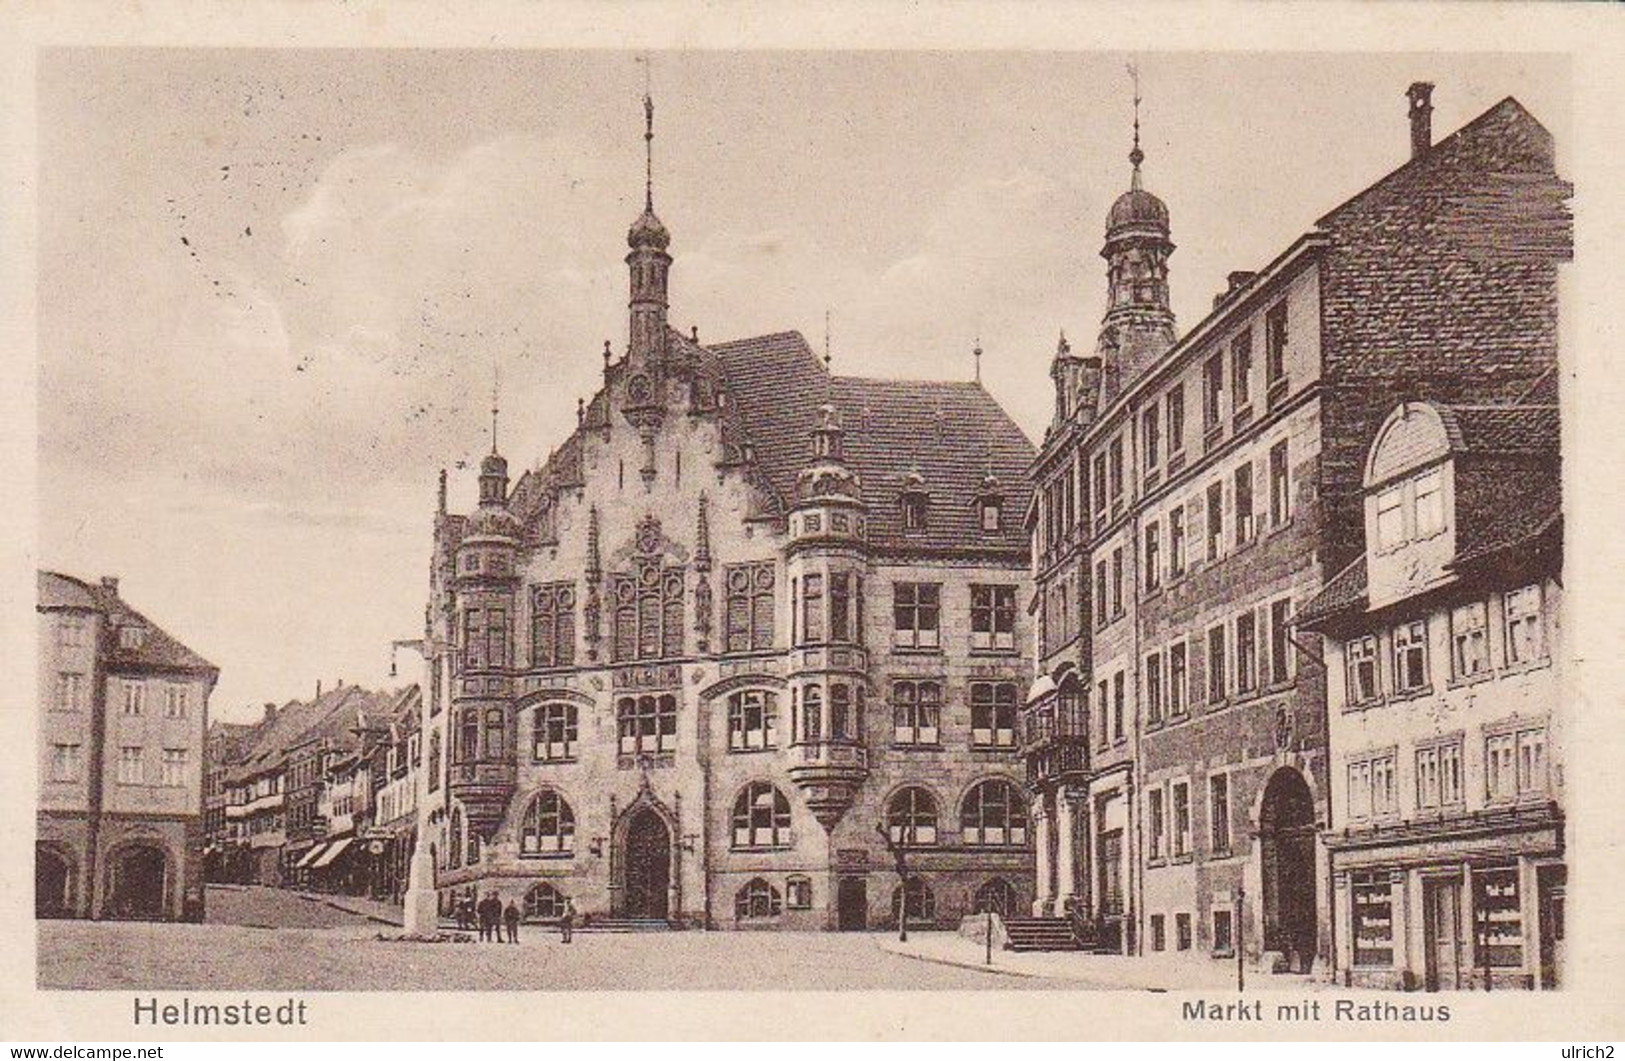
(1342, 1009)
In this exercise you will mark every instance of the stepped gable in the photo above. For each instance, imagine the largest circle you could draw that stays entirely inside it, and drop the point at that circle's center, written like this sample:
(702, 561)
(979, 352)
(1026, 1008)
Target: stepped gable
(954, 434)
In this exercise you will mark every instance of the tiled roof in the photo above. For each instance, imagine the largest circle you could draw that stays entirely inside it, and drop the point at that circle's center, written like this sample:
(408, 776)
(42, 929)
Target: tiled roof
(1508, 429)
(953, 434)
(157, 648)
(332, 716)
(1346, 590)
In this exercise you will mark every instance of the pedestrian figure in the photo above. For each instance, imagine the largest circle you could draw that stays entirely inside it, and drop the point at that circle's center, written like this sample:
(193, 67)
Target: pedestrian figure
(491, 918)
(510, 917)
(567, 921)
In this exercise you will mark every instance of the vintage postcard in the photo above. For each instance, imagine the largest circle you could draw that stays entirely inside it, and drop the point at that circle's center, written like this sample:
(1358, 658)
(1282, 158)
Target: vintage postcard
(1075, 518)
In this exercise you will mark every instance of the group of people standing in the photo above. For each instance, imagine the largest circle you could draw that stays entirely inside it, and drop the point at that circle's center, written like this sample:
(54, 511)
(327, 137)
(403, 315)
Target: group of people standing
(500, 924)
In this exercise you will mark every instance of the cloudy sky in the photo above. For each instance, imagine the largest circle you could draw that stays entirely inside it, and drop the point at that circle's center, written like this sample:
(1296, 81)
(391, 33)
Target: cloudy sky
(274, 285)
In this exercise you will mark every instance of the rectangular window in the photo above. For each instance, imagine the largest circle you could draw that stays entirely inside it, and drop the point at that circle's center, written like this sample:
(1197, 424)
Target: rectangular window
(553, 625)
(993, 714)
(1525, 634)
(1176, 420)
(70, 692)
(1391, 517)
(1118, 706)
(1280, 486)
(473, 643)
(840, 607)
(812, 609)
(1364, 685)
(1241, 365)
(174, 767)
(916, 613)
(1429, 503)
(1154, 705)
(496, 636)
(1102, 602)
(1373, 916)
(916, 712)
(70, 632)
(1103, 711)
(1246, 652)
(66, 762)
(1244, 504)
(1159, 932)
(134, 698)
(1218, 818)
(993, 617)
(1499, 912)
(1280, 644)
(1215, 520)
(1177, 678)
(1117, 582)
(1157, 824)
(1217, 688)
(1114, 468)
(1411, 657)
(1099, 500)
(1222, 938)
(1151, 437)
(1182, 931)
(130, 767)
(176, 701)
(1153, 556)
(1438, 775)
(1372, 791)
(1176, 542)
(1182, 818)
(1469, 644)
(1275, 345)
(1212, 393)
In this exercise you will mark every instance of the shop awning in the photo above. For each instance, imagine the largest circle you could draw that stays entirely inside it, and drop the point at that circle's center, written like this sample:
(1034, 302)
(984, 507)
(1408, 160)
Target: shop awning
(334, 851)
(312, 853)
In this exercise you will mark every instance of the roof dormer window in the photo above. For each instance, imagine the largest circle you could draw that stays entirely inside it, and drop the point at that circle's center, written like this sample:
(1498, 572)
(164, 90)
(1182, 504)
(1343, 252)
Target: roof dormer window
(130, 637)
(914, 506)
(992, 515)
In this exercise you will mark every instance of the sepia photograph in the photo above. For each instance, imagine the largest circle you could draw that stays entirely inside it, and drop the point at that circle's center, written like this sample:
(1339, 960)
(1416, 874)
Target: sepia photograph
(632, 519)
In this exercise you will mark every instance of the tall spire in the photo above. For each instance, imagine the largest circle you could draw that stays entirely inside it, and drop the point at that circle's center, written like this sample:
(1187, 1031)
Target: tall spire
(496, 403)
(648, 141)
(1136, 156)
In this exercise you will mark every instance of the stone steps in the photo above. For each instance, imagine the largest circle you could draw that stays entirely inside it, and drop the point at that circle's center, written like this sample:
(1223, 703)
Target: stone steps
(1041, 934)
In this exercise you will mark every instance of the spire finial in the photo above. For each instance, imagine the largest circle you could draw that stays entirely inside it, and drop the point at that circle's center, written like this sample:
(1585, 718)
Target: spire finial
(1136, 156)
(496, 404)
(826, 340)
(977, 354)
(648, 136)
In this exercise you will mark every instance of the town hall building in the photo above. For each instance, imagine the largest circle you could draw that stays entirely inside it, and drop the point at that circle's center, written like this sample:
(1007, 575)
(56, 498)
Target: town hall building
(745, 651)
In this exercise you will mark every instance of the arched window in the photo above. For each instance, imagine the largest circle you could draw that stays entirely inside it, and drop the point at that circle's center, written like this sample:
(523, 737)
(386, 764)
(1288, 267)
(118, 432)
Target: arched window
(496, 734)
(474, 847)
(544, 903)
(555, 733)
(468, 736)
(812, 713)
(648, 613)
(911, 817)
(997, 896)
(761, 817)
(752, 720)
(549, 826)
(994, 814)
(757, 899)
(648, 724)
(914, 898)
(454, 848)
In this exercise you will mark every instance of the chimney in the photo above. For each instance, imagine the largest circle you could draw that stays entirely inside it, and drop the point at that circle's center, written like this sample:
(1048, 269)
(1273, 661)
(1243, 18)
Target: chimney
(1421, 97)
(1237, 280)
(270, 711)
(318, 688)
(110, 584)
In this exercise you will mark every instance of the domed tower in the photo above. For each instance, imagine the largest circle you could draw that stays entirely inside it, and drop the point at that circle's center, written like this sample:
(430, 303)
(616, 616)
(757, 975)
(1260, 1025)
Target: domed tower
(483, 761)
(1139, 325)
(828, 666)
(649, 266)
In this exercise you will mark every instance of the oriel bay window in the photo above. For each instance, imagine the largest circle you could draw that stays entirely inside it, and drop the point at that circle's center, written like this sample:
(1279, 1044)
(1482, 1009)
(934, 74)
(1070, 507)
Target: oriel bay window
(993, 617)
(911, 817)
(812, 714)
(648, 724)
(468, 735)
(916, 712)
(842, 620)
(993, 714)
(761, 818)
(555, 733)
(752, 720)
(917, 615)
(549, 826)
(749, 606)
(553, 625)
(994, 814)
(812, 609)
(496, 733)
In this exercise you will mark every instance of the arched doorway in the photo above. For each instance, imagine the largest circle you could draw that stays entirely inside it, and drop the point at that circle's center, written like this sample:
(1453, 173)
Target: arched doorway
(137, 883)
(648, 866)
(53, 883)
(1286, 826)
(997, 896)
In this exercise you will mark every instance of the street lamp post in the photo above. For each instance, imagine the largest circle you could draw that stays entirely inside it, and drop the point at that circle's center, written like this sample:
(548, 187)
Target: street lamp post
(1241, 950)
(896, 849)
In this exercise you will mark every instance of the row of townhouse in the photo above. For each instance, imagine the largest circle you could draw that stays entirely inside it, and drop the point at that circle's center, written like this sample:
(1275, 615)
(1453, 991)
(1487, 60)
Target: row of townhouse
(319, 794)
(1218, 529)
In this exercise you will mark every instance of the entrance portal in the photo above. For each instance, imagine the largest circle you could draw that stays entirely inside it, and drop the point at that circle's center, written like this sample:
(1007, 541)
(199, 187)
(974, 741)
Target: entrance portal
(852, 904)
(1441, 924)
(53, 881)
(648, 866)
(1287, 841)
(137, 884)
